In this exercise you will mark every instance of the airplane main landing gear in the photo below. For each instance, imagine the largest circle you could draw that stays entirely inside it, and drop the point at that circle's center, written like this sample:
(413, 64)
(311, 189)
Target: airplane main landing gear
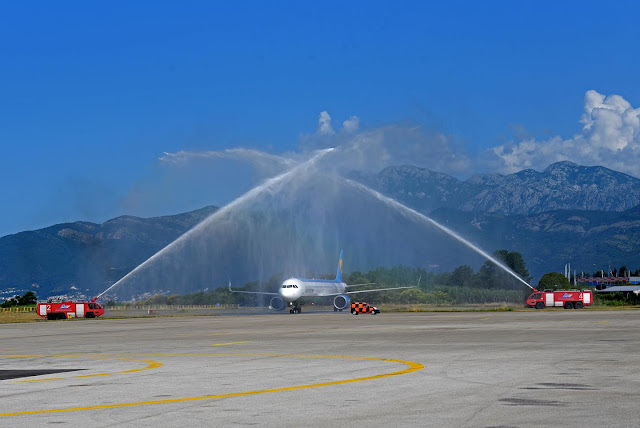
(296, 309)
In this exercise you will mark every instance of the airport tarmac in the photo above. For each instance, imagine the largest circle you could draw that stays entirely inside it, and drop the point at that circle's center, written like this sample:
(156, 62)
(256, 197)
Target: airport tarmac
(570, 368)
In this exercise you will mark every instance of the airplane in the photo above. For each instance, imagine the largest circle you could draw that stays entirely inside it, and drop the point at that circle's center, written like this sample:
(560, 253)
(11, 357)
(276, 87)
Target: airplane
(294, 288)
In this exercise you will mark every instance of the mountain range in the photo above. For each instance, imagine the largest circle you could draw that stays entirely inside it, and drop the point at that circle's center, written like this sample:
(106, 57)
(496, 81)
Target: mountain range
(589, 216)
(562, 185)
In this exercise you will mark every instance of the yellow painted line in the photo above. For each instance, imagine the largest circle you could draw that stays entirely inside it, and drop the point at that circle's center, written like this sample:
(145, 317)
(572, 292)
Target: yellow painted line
(23, 356)
(230, 343)
(37, 380)
(413, 367)
(219, 334)
(98, 374)
(151, 364)
(604, 322)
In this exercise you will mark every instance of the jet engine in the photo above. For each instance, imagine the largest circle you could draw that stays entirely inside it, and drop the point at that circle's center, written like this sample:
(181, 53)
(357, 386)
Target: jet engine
(341, 302)
(277, 304)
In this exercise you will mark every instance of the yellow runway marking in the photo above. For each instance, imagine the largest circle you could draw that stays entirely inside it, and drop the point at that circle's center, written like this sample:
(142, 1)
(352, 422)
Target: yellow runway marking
(150, 365)
(230, 343)
(604, 322)
(38, 380)
(218, 334)
(413, 367)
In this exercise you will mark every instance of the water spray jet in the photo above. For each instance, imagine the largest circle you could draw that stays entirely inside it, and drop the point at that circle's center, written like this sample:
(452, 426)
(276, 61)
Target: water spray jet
(267, 185)
(272, 184)
(413, 213)
(409, 211)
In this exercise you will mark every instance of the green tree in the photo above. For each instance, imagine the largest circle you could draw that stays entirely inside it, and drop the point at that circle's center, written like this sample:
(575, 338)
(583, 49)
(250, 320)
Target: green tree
(462, 276)
(622, 271)
(29, 298)
(492, 276)
(443, 278)
(9, 303)
(515, 261)
(553, 281)
(174, 299)
(412, 295)
(488, 276)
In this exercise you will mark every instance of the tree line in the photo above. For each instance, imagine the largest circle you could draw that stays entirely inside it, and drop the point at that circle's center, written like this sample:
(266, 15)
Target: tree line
(461, 286)
(27, 299)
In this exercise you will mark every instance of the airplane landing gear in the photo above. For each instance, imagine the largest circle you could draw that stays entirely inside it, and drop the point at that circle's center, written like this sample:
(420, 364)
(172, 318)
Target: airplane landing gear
(296, 309)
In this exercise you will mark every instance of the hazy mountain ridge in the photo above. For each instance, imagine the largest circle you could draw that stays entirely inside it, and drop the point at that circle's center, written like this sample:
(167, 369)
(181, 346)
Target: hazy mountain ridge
(549, 240)
(83, 253)
(562, 185)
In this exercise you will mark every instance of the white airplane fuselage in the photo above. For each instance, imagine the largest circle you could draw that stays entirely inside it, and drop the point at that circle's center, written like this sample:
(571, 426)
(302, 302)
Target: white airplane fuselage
(294, 288)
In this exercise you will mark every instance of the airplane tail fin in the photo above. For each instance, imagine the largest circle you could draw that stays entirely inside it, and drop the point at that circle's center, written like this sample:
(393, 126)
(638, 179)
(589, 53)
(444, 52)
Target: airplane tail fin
(339, 273)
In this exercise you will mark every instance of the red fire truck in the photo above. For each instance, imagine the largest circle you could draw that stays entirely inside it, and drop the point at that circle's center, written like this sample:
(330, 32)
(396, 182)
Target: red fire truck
(69, 309)
(567, 299)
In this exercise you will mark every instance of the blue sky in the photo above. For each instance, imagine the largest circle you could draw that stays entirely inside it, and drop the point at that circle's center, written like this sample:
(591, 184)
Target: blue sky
(91, 95)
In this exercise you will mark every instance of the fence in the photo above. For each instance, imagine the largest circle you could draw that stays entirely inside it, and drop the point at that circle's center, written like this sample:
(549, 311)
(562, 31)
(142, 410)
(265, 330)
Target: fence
(161, 307)
(19, 309)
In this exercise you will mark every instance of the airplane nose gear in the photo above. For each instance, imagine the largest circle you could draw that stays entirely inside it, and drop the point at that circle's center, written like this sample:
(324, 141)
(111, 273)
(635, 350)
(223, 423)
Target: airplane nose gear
(296, 309)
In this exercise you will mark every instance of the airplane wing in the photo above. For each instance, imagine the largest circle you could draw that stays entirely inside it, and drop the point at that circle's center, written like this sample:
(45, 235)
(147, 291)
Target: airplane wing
(365, 291)
(356, 285)
(376, 289)
(252, 292)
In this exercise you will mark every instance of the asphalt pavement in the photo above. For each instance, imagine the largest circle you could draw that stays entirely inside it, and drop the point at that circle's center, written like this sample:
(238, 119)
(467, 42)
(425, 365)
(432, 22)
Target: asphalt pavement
(570, 368)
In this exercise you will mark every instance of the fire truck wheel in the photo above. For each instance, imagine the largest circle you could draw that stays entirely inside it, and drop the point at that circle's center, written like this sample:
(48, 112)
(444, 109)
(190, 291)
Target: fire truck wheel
(354, 312)
(578, 305)
(90, 315)
(568, 305)
(539, 305)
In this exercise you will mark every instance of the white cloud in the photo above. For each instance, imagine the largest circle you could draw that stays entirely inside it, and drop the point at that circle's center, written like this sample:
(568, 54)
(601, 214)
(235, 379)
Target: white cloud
(351, 125)
(324, 124)
(610, 137)
(397, 144)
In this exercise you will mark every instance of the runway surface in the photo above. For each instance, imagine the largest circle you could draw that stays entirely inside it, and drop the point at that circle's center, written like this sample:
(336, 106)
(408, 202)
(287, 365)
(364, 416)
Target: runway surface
(517, 369)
